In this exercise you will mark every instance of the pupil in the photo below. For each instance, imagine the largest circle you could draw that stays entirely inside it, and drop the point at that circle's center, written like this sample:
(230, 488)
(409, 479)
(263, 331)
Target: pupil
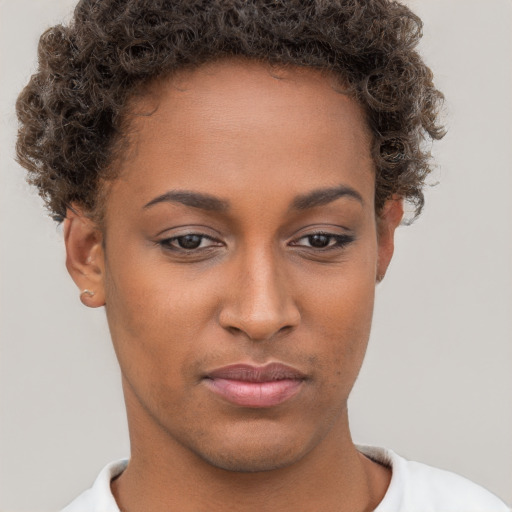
(189, 241)
(319, 240)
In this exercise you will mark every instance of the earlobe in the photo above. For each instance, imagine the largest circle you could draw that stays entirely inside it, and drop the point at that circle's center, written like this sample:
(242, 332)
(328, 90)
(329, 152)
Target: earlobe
(85, 257)
(388, 220)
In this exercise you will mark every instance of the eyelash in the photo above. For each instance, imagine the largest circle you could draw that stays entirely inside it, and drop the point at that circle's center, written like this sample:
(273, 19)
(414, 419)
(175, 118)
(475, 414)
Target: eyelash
(340, 242)
(167, 243)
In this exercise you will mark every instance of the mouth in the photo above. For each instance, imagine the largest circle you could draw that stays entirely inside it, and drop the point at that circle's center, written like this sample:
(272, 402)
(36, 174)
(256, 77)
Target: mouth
(255, 386)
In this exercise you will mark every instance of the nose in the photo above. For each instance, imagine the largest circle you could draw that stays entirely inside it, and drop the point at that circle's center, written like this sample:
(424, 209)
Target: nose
(259, 303)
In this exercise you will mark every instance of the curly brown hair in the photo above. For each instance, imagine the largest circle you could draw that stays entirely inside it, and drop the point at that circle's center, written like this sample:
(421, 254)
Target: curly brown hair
(71, 112)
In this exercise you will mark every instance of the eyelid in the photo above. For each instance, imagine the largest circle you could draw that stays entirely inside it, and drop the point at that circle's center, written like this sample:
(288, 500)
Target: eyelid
(321, 229)
(189, 229)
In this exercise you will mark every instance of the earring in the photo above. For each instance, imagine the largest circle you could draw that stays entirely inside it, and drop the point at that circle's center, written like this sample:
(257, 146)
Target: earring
(86, 298)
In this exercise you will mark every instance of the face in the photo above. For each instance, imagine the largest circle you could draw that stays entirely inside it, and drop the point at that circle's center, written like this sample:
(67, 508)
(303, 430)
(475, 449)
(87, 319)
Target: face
(241, 251)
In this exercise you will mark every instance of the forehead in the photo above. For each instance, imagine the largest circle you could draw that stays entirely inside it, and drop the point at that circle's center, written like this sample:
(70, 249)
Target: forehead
(238, 122)
(229, 93)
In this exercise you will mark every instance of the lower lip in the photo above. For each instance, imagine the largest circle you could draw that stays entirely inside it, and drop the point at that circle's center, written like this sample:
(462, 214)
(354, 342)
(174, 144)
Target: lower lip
(255, 394)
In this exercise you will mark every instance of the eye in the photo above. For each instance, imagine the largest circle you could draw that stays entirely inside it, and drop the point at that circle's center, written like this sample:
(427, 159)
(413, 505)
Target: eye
(189, 242)
(323, 241)
(319, 240)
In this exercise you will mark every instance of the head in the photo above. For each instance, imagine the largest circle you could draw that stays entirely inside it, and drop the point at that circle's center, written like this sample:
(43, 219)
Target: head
(231, 176)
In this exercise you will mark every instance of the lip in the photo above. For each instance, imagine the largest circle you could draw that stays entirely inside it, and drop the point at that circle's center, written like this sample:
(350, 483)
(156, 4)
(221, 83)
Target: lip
(246, 385)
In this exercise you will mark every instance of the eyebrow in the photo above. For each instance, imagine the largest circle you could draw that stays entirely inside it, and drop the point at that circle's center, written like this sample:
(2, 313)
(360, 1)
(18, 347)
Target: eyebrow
(208, 202)
(194, 199)
(323, 196)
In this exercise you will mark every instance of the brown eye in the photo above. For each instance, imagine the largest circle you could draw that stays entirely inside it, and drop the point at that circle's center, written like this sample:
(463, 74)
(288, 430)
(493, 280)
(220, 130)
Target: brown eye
(189, 241)
(319, 241)
(325, 241)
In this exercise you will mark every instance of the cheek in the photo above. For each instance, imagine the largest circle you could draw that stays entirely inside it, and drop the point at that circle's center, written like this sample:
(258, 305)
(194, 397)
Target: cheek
(345, 325)
(155, 314)
(340, 317)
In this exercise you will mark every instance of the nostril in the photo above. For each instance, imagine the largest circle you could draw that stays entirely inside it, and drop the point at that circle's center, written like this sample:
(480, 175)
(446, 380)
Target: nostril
(258, 334)
(234, 330)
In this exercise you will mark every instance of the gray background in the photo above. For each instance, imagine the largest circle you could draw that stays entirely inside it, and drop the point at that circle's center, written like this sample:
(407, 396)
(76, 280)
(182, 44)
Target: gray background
(437, 382)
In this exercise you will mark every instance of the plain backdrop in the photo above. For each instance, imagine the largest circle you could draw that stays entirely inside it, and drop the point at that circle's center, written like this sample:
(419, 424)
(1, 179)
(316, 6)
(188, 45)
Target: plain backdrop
(437, 382)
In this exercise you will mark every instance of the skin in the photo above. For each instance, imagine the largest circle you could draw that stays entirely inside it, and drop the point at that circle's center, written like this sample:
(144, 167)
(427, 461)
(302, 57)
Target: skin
(255, 291)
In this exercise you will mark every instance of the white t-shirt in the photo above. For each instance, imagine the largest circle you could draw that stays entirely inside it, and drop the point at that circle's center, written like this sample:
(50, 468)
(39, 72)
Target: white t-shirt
(414, 487)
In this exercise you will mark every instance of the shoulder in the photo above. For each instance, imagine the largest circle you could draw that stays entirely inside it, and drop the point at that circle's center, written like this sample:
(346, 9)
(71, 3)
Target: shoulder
(99, 497)
(417, 487)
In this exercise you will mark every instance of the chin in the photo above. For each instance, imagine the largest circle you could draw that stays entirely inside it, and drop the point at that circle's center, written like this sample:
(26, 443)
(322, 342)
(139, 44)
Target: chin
(253, 450)
(253, 461)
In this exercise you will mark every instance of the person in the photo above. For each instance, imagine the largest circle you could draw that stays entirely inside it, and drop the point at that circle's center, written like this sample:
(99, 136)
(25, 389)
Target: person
(230, 176)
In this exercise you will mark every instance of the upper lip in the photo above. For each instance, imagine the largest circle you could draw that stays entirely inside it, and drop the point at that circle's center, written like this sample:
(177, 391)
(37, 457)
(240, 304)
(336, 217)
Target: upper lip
(250, 373)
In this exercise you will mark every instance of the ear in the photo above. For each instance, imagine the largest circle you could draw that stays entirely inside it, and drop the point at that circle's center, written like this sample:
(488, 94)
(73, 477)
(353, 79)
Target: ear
(85, 259)
(387, 221)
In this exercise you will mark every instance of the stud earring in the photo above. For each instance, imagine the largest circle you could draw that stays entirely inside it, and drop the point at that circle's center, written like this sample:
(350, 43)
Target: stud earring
(86, 299)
